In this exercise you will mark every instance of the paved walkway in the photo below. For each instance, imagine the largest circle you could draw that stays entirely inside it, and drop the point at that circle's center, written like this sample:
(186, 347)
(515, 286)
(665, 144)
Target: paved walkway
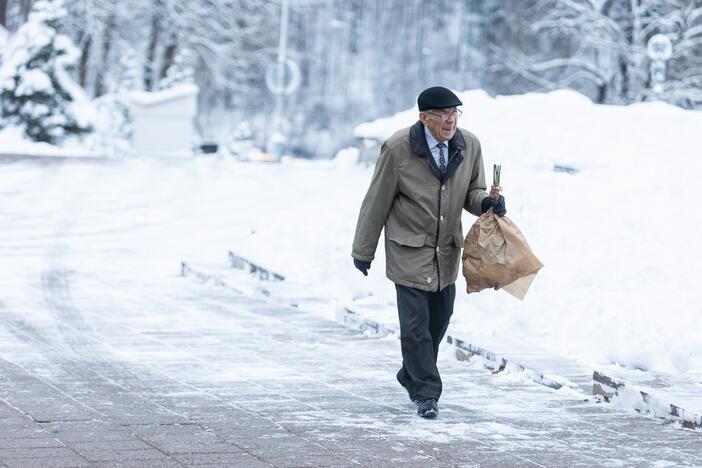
(190, 375)
(109, 358)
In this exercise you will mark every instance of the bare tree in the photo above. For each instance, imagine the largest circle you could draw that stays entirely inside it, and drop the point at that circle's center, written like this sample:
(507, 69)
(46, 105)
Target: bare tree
(3, 13)
(150, 77)
(107, 35)
(25, 8)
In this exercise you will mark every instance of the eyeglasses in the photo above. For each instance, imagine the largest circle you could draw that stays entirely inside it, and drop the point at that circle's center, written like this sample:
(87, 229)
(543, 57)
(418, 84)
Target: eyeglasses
(446, 114)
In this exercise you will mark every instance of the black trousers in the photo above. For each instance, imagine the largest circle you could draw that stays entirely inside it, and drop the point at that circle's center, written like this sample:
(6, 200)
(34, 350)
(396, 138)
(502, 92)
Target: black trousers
(424, 317)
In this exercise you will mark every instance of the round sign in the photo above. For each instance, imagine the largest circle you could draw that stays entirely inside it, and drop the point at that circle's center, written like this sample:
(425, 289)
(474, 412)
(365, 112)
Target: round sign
(659, 47)
(283, 77)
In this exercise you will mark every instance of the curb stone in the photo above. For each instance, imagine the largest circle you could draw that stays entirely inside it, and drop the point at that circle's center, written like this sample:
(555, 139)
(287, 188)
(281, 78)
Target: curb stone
(611, 388)
(187, 270)
(600, 384)
(264, 274)
(464, 350)
(358, 322)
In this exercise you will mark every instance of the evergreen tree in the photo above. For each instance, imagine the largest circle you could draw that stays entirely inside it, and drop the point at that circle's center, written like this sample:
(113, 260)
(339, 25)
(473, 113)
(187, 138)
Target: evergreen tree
(36, 92)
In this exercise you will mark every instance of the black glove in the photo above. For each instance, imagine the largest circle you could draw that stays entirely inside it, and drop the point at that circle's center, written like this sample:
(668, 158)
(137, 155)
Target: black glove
(498, 206)
(362, 265)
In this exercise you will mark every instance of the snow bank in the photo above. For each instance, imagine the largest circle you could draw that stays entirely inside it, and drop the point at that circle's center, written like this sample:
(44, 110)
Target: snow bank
(14, 142)
(620, 239)
(146, 98)
(347, 157)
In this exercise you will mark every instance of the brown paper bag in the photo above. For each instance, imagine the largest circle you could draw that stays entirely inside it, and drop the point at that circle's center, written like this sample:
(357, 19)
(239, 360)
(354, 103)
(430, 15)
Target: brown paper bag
(496, 255)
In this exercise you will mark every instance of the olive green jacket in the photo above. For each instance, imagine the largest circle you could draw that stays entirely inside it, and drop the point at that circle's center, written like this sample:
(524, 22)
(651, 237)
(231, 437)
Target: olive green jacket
(419, 208)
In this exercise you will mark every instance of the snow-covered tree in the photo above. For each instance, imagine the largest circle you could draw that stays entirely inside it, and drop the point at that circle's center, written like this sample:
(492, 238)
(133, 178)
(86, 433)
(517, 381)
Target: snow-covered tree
(598, 47)
(681, 21)
(36, 91)
(361, 59)
(589, 45)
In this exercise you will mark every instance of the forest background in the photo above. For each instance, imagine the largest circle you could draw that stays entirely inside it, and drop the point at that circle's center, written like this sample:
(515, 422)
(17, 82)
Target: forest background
(363, 59)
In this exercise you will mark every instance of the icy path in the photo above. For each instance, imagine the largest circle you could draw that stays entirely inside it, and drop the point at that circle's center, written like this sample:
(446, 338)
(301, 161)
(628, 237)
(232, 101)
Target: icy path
(108, 357)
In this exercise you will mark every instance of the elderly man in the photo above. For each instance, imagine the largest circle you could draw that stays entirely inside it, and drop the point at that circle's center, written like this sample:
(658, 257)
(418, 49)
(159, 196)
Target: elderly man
(425, 175)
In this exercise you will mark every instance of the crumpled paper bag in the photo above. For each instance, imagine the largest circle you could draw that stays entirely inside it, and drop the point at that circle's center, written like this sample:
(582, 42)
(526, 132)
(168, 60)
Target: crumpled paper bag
(496, 255)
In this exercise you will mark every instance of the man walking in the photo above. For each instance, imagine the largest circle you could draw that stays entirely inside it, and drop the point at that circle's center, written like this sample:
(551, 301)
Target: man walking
(425, 175)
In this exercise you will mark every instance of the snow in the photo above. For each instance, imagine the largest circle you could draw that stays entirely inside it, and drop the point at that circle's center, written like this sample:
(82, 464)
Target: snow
(13, 142)
(618, 238)
(146, 99)
(347, 157)
(15, 53)
(81, 107)
(25, 72)
(162, 121)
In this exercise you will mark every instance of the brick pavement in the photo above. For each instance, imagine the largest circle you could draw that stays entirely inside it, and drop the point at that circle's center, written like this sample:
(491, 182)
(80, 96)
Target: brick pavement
(186, 375)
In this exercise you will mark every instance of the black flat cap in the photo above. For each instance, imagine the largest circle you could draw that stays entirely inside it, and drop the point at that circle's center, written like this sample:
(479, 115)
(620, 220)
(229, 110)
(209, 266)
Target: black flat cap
(437, 97)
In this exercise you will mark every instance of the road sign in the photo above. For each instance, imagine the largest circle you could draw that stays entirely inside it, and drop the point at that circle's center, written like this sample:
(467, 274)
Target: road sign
(659, 47)
(283, 77)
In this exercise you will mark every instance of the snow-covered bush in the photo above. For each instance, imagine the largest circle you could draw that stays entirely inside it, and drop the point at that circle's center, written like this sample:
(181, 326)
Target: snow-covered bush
(36, 92)
(181, 71)
(112, 126)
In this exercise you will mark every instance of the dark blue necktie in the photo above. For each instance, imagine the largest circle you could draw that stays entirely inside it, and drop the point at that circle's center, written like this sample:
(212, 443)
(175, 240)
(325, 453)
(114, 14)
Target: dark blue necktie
(442, 158)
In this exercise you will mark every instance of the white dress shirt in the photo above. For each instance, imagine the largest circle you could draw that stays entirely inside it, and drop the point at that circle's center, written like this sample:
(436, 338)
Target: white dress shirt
(431, 141)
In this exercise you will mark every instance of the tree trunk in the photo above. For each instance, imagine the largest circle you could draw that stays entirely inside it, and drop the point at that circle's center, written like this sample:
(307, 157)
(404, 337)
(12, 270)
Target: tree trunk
(626, 84)
(106, 43)
(3, 13)
(168, 58)
(25, 8)
(84, 58)
(636, 64)
(601, 93)
(149, 78)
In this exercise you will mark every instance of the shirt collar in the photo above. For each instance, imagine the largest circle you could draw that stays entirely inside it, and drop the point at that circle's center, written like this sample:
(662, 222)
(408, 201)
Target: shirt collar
(431, 141)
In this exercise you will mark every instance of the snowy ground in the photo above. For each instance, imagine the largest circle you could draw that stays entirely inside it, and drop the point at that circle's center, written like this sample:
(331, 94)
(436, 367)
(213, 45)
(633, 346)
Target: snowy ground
(109, 357)
(619, 238)
(14, 142)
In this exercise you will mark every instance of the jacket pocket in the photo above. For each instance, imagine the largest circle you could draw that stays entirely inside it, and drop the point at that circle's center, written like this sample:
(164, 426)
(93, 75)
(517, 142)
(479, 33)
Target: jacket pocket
(409, 258)
(414, 240)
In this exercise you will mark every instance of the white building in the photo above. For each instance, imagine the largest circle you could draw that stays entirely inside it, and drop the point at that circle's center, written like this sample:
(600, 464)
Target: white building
(163, 122)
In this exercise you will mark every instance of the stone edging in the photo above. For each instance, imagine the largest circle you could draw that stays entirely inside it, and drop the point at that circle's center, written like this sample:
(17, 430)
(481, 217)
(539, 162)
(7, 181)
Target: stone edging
(604, 386)
(611, 388)
(464, 349)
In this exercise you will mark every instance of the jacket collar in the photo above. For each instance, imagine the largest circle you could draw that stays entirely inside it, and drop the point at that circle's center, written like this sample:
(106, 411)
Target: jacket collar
(420, 147)
(418, 142)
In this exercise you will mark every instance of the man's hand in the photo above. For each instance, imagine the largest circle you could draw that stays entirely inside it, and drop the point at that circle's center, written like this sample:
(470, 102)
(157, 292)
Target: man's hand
(362, 265)
(498, 206)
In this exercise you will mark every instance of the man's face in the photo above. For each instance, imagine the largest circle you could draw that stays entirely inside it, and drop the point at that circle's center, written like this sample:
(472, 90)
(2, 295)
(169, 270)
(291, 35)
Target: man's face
(441, 123)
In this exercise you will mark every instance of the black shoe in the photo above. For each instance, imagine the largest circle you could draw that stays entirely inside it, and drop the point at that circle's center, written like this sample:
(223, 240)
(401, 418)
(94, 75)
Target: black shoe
(406, 388)
(428, 408)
